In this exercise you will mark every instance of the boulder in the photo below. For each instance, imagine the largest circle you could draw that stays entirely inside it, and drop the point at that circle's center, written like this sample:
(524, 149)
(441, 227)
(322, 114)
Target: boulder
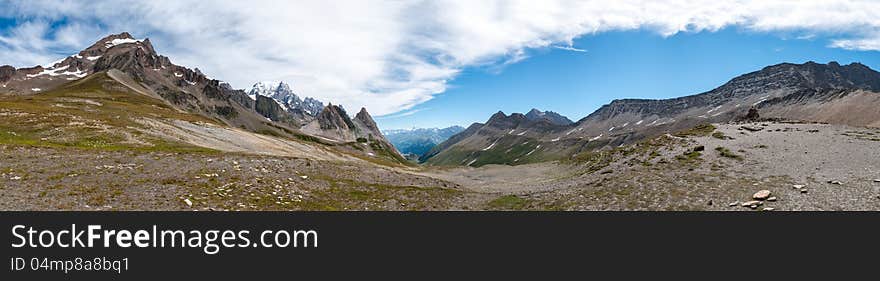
(753, 114)
(761, 195)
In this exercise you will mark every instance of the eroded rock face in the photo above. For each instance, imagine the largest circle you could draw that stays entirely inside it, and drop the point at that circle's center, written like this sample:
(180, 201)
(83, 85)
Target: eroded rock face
(6, 72)
(267, 107)
(368, 125)
(333, 117)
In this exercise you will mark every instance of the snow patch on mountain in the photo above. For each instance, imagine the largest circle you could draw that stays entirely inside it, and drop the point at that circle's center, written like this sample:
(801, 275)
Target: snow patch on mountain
(119, 41)
(285, 97)
(56, 71)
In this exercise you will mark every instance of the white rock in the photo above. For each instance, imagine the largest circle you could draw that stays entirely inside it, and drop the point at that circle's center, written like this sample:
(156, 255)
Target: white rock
(835, 182)
(876, 180)
(15, 178)
(804, 190)
(304, 177)
(752, 204)
(798, 186)
(188, 202)
(768, 209)
(733, 204)
(761, 195)
(771, 199)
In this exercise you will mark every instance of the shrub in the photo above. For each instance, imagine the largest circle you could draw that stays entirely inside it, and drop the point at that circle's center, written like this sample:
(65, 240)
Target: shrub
(701, 130)
(727, 153)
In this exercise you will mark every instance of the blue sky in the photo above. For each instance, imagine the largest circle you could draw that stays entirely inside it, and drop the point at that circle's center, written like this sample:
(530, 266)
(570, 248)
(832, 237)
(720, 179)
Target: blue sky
(453, 62)
(630, 64)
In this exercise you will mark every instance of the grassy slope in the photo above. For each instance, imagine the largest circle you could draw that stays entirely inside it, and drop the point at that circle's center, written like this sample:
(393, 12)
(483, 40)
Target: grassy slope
(96, 112)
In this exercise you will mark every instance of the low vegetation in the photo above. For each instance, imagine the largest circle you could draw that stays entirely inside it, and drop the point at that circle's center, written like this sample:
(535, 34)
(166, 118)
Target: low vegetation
(725, 152)
(701, 130)
(508, 202)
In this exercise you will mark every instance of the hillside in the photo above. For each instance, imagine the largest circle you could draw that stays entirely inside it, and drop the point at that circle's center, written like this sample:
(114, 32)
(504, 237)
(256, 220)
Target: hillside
(832, 93)
(119, 65)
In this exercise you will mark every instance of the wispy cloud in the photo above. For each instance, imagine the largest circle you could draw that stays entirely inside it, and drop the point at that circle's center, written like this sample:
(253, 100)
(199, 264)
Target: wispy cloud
(401, 114)
(392, 55)
(570, 48)
(861, 44)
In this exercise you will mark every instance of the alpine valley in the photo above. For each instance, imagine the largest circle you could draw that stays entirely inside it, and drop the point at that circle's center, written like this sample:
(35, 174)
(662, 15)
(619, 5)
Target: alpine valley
(118, 126)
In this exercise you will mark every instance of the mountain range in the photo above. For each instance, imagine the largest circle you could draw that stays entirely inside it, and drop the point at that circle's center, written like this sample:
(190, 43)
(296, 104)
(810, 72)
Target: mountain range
(118, 126)
(413, 143)
(833, 93)
(171, 103)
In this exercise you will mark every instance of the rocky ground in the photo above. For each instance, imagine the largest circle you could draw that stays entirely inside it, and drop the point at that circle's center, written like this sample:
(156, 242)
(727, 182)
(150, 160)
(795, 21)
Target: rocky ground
(729, 167)
(803, 166)
(33, 178)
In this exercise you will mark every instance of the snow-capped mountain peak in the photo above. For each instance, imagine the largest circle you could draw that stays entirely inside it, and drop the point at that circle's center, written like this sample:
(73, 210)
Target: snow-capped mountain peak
(282, 93)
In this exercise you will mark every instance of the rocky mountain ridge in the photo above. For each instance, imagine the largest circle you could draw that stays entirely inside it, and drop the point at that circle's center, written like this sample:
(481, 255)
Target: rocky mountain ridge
(843, 94)
(281, 114)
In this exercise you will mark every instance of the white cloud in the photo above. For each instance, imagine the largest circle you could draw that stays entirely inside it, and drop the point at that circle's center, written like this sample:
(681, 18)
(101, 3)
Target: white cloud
(392, 55)
(401, 114)
(570, 48)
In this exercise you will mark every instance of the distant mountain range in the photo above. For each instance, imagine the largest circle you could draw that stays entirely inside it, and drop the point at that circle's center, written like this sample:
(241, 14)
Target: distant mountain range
(833, 93)
(413, 143)
(119, 63)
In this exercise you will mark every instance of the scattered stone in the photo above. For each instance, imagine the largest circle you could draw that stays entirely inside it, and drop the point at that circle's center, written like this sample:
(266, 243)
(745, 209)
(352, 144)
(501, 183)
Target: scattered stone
(732, 204)
(835, 182)
(876, 180)
(752, 204)
(710, 203)
(804, 190)
(188, 202)
(761, 195)
(772, 199)
(798, 186)
(768, 209)
(699, 148)
(15, 178)
(304, 177)
(751, 129)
